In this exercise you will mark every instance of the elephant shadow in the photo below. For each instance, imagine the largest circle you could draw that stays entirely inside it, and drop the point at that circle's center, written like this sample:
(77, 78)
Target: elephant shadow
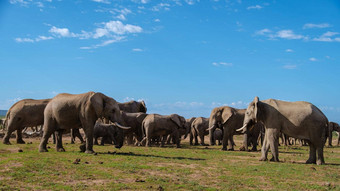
(150, 155)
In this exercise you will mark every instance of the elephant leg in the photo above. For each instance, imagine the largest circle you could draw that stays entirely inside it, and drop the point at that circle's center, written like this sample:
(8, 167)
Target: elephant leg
(225, 139)
(196, 138)
(274, 144)
(19, 136)
(231, 142)
(10, 129)
(129, 139)
(73, 136)
(49, 128)
(202, 139)
(54, 138)
(164, 138)
(95, 140)
(191, 138)
(338, 139)
(254, 143)
(265, 148)
(102, 141)
(312, 154)
(212, 137)
(244, 147)
(168, 139)
(59, 138)
(76, 133)
(89, 139)
(330, 132)
(320, 159)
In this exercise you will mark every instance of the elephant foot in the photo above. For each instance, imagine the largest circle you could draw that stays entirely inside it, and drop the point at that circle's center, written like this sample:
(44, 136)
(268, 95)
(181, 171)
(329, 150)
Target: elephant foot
(196, 144)
(6, 142)
(311, 161)
(231, 149)
(263, 159)
(89, 152)
(43, 150)
(202, 144)
(242, 148)
(178, 146)
(254, 149)
(21, 142)
(320, 162)
(219, 143)
(82, 148)
(61, 149)
(274, 160)
(224, 149)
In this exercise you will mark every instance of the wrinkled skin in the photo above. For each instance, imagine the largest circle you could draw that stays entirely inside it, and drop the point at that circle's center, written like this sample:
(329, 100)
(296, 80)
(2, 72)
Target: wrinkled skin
(155, 125)
(133, 107)
(133, 120)
(300, 120)
(251, 136)
(228, 119)
(108, 132)
(218, 135)
(333, 127)
(67, 111)
(24, 113)
(74, 133)
(199, 129)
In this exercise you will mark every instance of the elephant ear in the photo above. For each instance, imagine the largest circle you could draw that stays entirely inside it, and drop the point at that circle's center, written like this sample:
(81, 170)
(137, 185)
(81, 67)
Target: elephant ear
(143, 106)
(176, 120)
(256, 107)
(98, 103)
(140, 117)
(227, 114)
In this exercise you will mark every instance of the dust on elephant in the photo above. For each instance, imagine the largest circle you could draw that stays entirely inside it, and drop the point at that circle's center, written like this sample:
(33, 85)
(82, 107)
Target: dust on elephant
(133, 120)
(67, 111)
(251, 136)
(133, 106)
(333, 127)
(228, 119)
(155, 125)
(199, 129)
(24, 113)
(298, 119)
(108, 132)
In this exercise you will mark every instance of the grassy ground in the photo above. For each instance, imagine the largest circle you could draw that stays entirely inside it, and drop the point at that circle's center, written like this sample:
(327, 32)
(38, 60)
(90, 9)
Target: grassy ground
(140, 168)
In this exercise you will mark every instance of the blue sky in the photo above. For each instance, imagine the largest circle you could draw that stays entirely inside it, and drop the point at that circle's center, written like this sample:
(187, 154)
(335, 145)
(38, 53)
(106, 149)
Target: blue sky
(180, 56)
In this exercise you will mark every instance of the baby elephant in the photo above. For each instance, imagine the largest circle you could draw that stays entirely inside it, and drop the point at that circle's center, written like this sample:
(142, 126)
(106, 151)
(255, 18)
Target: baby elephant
(108, 132)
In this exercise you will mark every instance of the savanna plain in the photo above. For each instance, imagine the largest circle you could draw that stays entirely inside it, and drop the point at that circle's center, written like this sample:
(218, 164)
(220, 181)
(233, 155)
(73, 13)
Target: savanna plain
(22, 167)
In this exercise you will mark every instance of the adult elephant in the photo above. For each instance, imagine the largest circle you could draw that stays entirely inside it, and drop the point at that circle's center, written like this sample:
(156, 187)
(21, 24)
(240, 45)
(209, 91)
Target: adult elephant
(228, 119)
(333, 127)
(24, 113)
(298, 119)
(251, 136)
(155, 125)
(133, 106)
(133, 120)
(199, 129)
(67, 111)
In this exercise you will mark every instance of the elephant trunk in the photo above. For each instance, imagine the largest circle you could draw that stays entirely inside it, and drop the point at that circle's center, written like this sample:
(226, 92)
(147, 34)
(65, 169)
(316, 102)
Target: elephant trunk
(211, 135)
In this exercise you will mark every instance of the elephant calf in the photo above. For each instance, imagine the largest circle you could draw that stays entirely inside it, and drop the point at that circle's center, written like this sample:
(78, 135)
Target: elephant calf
(332, 126)
(199, 128)
(108, 132)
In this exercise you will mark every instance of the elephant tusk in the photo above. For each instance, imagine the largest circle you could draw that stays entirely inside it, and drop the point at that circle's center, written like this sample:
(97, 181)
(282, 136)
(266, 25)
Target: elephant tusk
(240, 129)
(120, 126)
(210, 128)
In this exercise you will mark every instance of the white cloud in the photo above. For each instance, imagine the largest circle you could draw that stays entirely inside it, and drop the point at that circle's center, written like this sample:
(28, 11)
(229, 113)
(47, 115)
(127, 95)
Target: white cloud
(61, 32)
(104, 43)
(40, 38)
(191, 2)
(255, 7)
(8, 103)
(313, 59)
(263, 32)
(157, 20)
(21, 2)
(222, 64)
(311, 25)
(137, 50)
(289, 50)
(327, 37)
(290, 66)
(288, 34)
(102, 1)
(160, 6)
(24, 40)
(116, 27)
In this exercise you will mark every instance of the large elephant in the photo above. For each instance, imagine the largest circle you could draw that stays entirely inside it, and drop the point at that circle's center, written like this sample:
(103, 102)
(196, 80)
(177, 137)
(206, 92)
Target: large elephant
(251, 136)
(155, 125)
(67, 111)
(299, 119)
(228, 119)
(199, 129)
(133, 106)
(24, 113)
(133, 120)
(333, 127)
(108, 132)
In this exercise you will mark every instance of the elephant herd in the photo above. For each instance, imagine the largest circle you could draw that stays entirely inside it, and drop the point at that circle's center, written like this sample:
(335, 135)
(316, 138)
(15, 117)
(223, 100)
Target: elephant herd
(102, 116)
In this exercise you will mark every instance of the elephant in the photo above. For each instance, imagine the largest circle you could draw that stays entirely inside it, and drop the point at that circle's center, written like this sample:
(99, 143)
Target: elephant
(74, 133)
(228, 119)
(108, 132)
(67, 111)
(133, 107)
(299, 119)
(133, 120)
(183, 132)
(251, 136)
(199, 128)
(218, 135)
(332, 126)
(24, 113)
(155, 125)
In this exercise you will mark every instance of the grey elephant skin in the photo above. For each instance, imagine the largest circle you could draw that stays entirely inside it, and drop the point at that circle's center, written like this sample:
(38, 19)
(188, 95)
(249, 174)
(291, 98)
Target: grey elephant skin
(228, 119)
(333, 127)
(299, 119)
(108, 132)
(67, 111)
(251, 137)
(24, 113)
(155, 125)
(134, 121)
(133, 106)
(199, 129)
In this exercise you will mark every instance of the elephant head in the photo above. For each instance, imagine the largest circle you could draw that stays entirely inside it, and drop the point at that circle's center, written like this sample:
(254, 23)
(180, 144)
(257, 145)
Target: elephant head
(251, 116)
(142, 106)
(179, 121)
(108, 108)
(218, 117)
(188, 126)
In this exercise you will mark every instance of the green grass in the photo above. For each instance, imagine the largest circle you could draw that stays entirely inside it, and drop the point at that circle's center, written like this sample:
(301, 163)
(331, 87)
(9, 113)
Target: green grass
(140, 168)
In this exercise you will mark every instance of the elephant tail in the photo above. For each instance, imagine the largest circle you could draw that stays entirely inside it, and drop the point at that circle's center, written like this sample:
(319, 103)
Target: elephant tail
(143, 129)
(6, 119)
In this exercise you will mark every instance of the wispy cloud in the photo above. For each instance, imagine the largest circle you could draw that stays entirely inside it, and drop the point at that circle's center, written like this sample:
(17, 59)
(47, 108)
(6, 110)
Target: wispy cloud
(328, 37)
(289, 50)
(254, 7)
(311, 25)
(222, 64)
(137, 50)
(105, 43)
(263, 32)
(116, 27)
(24, 40)
(102, 1)
(161, 6)
(290, 66)
(313, 59)
(289, 34)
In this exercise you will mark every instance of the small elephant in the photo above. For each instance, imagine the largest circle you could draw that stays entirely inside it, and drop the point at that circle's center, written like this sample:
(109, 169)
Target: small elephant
(155, 125)
(332, 126)
(298, 119)
(133, 107)
(228, 119)
(74, 133)
(24, 113)
(251, 136)
(67, 111)
(199, 128)
(133, 120)
(108, 132)
(218, 135)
